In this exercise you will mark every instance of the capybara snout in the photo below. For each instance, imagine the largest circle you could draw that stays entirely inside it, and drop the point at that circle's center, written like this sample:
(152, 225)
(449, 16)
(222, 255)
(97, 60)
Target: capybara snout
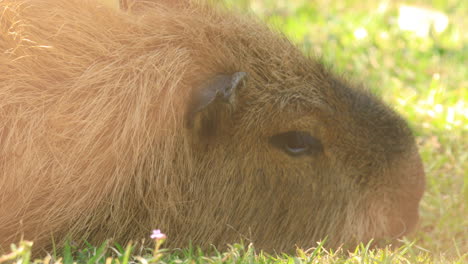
(193, 119)
(407, 216)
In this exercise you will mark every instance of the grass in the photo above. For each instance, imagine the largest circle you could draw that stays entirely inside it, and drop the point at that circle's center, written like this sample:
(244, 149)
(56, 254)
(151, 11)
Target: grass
(423, 77)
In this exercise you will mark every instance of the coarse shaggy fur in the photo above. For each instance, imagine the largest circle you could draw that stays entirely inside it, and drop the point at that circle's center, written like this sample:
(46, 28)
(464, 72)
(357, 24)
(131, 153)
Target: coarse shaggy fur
(101, 137)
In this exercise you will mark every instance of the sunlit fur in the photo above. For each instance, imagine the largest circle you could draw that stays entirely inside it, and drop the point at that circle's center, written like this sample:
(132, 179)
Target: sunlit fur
(94, 142)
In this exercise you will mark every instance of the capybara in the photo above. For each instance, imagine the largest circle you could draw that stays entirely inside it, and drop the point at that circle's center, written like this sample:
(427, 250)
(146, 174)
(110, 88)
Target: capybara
(193, 119)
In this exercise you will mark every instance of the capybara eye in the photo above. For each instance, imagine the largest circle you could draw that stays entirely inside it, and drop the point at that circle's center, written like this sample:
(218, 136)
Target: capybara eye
(297, 143)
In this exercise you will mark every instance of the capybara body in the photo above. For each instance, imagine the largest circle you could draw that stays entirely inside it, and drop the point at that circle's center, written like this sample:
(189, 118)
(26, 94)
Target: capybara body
(192, 119)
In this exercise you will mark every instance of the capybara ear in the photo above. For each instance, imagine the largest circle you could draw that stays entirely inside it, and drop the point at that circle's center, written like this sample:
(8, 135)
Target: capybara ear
(221, 89)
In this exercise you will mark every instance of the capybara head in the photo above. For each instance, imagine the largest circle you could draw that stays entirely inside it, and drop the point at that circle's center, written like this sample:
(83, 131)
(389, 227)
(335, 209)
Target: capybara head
(193, 119)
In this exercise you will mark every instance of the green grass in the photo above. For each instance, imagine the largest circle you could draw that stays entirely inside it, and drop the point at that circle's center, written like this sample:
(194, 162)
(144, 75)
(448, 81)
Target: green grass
(424, 78)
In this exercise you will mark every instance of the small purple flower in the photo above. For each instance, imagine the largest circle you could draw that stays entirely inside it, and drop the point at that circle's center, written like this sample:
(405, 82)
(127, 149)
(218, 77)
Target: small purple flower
(157, 235)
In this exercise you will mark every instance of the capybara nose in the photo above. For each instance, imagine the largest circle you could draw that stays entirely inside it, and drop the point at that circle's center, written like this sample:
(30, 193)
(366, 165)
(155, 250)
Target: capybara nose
(409, 221)
(412, 190)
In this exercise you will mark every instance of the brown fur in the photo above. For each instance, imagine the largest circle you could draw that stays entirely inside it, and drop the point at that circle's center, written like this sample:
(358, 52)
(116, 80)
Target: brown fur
(94, 141)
